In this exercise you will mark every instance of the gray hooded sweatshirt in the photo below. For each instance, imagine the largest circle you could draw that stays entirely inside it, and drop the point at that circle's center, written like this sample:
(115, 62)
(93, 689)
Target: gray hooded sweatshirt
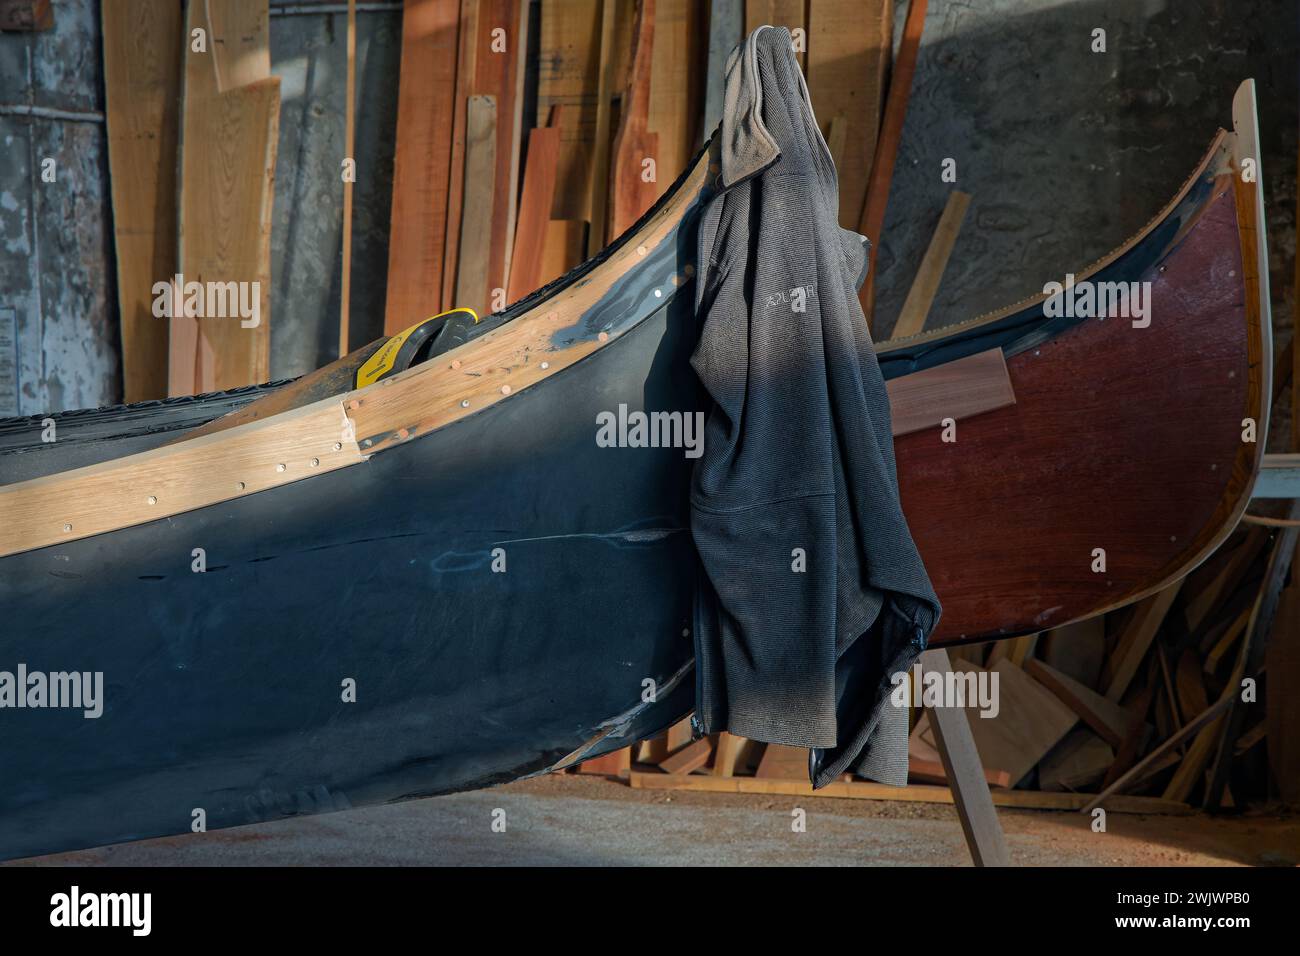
(813, 592)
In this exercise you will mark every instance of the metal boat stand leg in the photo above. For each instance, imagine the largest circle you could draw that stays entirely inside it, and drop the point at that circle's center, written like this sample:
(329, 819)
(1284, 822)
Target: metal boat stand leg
(961, 764)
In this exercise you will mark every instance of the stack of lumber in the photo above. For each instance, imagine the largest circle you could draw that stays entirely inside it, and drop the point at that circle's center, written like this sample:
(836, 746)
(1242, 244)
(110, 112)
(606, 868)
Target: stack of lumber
(1138, 710)
(527, 186)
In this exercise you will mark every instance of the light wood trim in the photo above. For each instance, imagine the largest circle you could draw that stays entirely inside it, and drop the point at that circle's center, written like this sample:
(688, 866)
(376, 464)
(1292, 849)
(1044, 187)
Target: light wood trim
(926, 284)
(176, 478)
(959, 389)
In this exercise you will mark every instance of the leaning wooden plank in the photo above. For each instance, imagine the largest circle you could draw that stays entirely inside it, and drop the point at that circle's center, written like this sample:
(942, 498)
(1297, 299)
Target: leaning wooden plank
(421, 162)
(911, 321)
(780, 13)
(1191, 727)
(726, 30)
(863, 790)
(1191, 768)
(1108, 719)
(600, 157)
(691, 757)
(502, 38)
(565, 240)
(534, 212)
(872, 220)
(466, 72)
(349, 141)
(1135, 735)
(230, 126)
(476, 225)
(1208, 598)
(568, 74)
(633, 164)
(955, 390)
(1136, 639)
(676, 87)
(142, 84)
(849, 46)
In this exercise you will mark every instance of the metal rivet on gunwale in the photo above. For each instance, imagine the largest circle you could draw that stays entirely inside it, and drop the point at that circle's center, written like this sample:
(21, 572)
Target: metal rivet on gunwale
(153, 500)
(505, 389)
(280, 467)
(545, 366)
(465, 403)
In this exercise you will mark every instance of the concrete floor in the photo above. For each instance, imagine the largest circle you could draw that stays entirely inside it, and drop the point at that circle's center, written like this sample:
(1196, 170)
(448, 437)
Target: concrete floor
(575, 820)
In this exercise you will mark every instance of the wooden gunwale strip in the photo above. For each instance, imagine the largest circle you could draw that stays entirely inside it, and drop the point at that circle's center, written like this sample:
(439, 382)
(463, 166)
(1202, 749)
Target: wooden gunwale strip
(206, 470)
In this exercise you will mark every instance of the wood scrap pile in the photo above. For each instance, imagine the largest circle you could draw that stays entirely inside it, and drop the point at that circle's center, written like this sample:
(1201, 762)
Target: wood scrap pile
(1142, 706)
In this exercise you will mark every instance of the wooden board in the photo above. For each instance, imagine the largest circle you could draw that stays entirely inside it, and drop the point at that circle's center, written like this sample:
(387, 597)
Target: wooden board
(850, 43)
(783, 763)
(568, 67)
(778, 13)
(473, 289)
(630, 192)
(468, 49)
(565, 240)
(421, 163)
(498, 74)
(1077, 763)
(1135, 640)
(911, 321)
(599, 202)
(534, 212)
(862, 790)
(142, 85)
(1029, 723)
(691, 757)
(958, 390)
(1108, 720)
(230, 132)
(676, 87)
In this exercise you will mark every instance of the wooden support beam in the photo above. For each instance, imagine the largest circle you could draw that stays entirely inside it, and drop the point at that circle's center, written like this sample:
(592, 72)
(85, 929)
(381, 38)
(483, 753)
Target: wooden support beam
(961, 765)
(911, 321)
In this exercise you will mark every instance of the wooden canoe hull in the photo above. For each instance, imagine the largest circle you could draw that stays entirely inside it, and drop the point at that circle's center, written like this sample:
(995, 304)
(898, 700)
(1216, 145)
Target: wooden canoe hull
(508, 598)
